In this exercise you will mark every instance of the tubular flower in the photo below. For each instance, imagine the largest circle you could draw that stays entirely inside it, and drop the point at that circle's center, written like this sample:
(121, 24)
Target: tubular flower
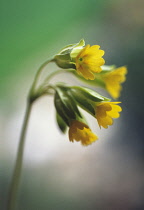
(105, 111)
(89, 60)
(81, 132)
(113, 81)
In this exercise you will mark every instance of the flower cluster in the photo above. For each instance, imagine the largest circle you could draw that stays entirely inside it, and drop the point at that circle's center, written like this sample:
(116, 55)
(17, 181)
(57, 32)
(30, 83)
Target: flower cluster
(67, 103)
(87, 64)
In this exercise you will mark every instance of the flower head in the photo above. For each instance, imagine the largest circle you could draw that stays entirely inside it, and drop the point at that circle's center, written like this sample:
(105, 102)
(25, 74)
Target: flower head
(89, 60)
(113, 80)
(105, 111)
(81, 132)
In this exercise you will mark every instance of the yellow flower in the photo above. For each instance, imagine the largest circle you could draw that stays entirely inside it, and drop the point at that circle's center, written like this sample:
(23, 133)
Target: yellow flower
(105, 111)
(89, 60)
(81, 132)
(113, 81)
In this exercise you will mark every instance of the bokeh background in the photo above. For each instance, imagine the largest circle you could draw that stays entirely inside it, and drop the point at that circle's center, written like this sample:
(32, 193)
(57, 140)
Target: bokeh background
(58, 174)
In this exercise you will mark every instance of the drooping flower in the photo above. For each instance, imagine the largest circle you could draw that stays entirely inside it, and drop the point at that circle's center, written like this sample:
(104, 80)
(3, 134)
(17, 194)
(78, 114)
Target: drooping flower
(89, 60)
(105, 111)
(113, 80)
(81, 132)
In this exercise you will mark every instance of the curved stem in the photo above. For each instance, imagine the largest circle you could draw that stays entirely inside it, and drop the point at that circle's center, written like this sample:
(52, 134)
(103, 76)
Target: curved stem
(39, 72)
(18, 165)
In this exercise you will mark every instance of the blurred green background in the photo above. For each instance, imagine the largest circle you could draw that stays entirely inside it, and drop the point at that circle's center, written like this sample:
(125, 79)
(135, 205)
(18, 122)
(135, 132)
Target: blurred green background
(57, 174)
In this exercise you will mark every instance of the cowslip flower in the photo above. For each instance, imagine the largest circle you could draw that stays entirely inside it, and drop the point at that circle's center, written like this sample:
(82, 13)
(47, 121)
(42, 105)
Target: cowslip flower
(105, 111)
(113, 80)
(89, 60)
(79, 131)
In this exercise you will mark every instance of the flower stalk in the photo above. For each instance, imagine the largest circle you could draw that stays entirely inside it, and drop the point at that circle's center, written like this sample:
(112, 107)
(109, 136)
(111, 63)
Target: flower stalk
(32, 96)
(19, 159)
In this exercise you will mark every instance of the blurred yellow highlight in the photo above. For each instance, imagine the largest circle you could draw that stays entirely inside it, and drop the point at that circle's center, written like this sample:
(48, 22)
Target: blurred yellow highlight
(113, 81)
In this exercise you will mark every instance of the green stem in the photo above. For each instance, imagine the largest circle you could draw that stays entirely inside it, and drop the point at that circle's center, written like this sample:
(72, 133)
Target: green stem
(18, 165)
(39, 72)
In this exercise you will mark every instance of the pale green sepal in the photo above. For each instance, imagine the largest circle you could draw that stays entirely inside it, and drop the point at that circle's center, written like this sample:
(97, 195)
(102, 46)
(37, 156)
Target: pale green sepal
(88, 93)
(68, 100)
(67, 49)
(64, 58)
(106, 99)
(81, 43)
(64, 61)
(61, 124)
(60, 108)
(83, 103)
(66, 104)
(77, 49)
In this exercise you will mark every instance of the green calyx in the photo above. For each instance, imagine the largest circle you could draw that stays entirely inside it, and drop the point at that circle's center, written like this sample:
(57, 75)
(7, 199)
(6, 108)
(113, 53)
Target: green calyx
(87, 98)
(88, 94)
(65, 105)
(67, 100)
(66, 57)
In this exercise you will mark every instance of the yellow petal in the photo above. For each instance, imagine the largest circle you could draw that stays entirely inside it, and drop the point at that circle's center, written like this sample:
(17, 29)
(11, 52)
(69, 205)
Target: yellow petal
(105, 111)
(81, 132)
(89, 60)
